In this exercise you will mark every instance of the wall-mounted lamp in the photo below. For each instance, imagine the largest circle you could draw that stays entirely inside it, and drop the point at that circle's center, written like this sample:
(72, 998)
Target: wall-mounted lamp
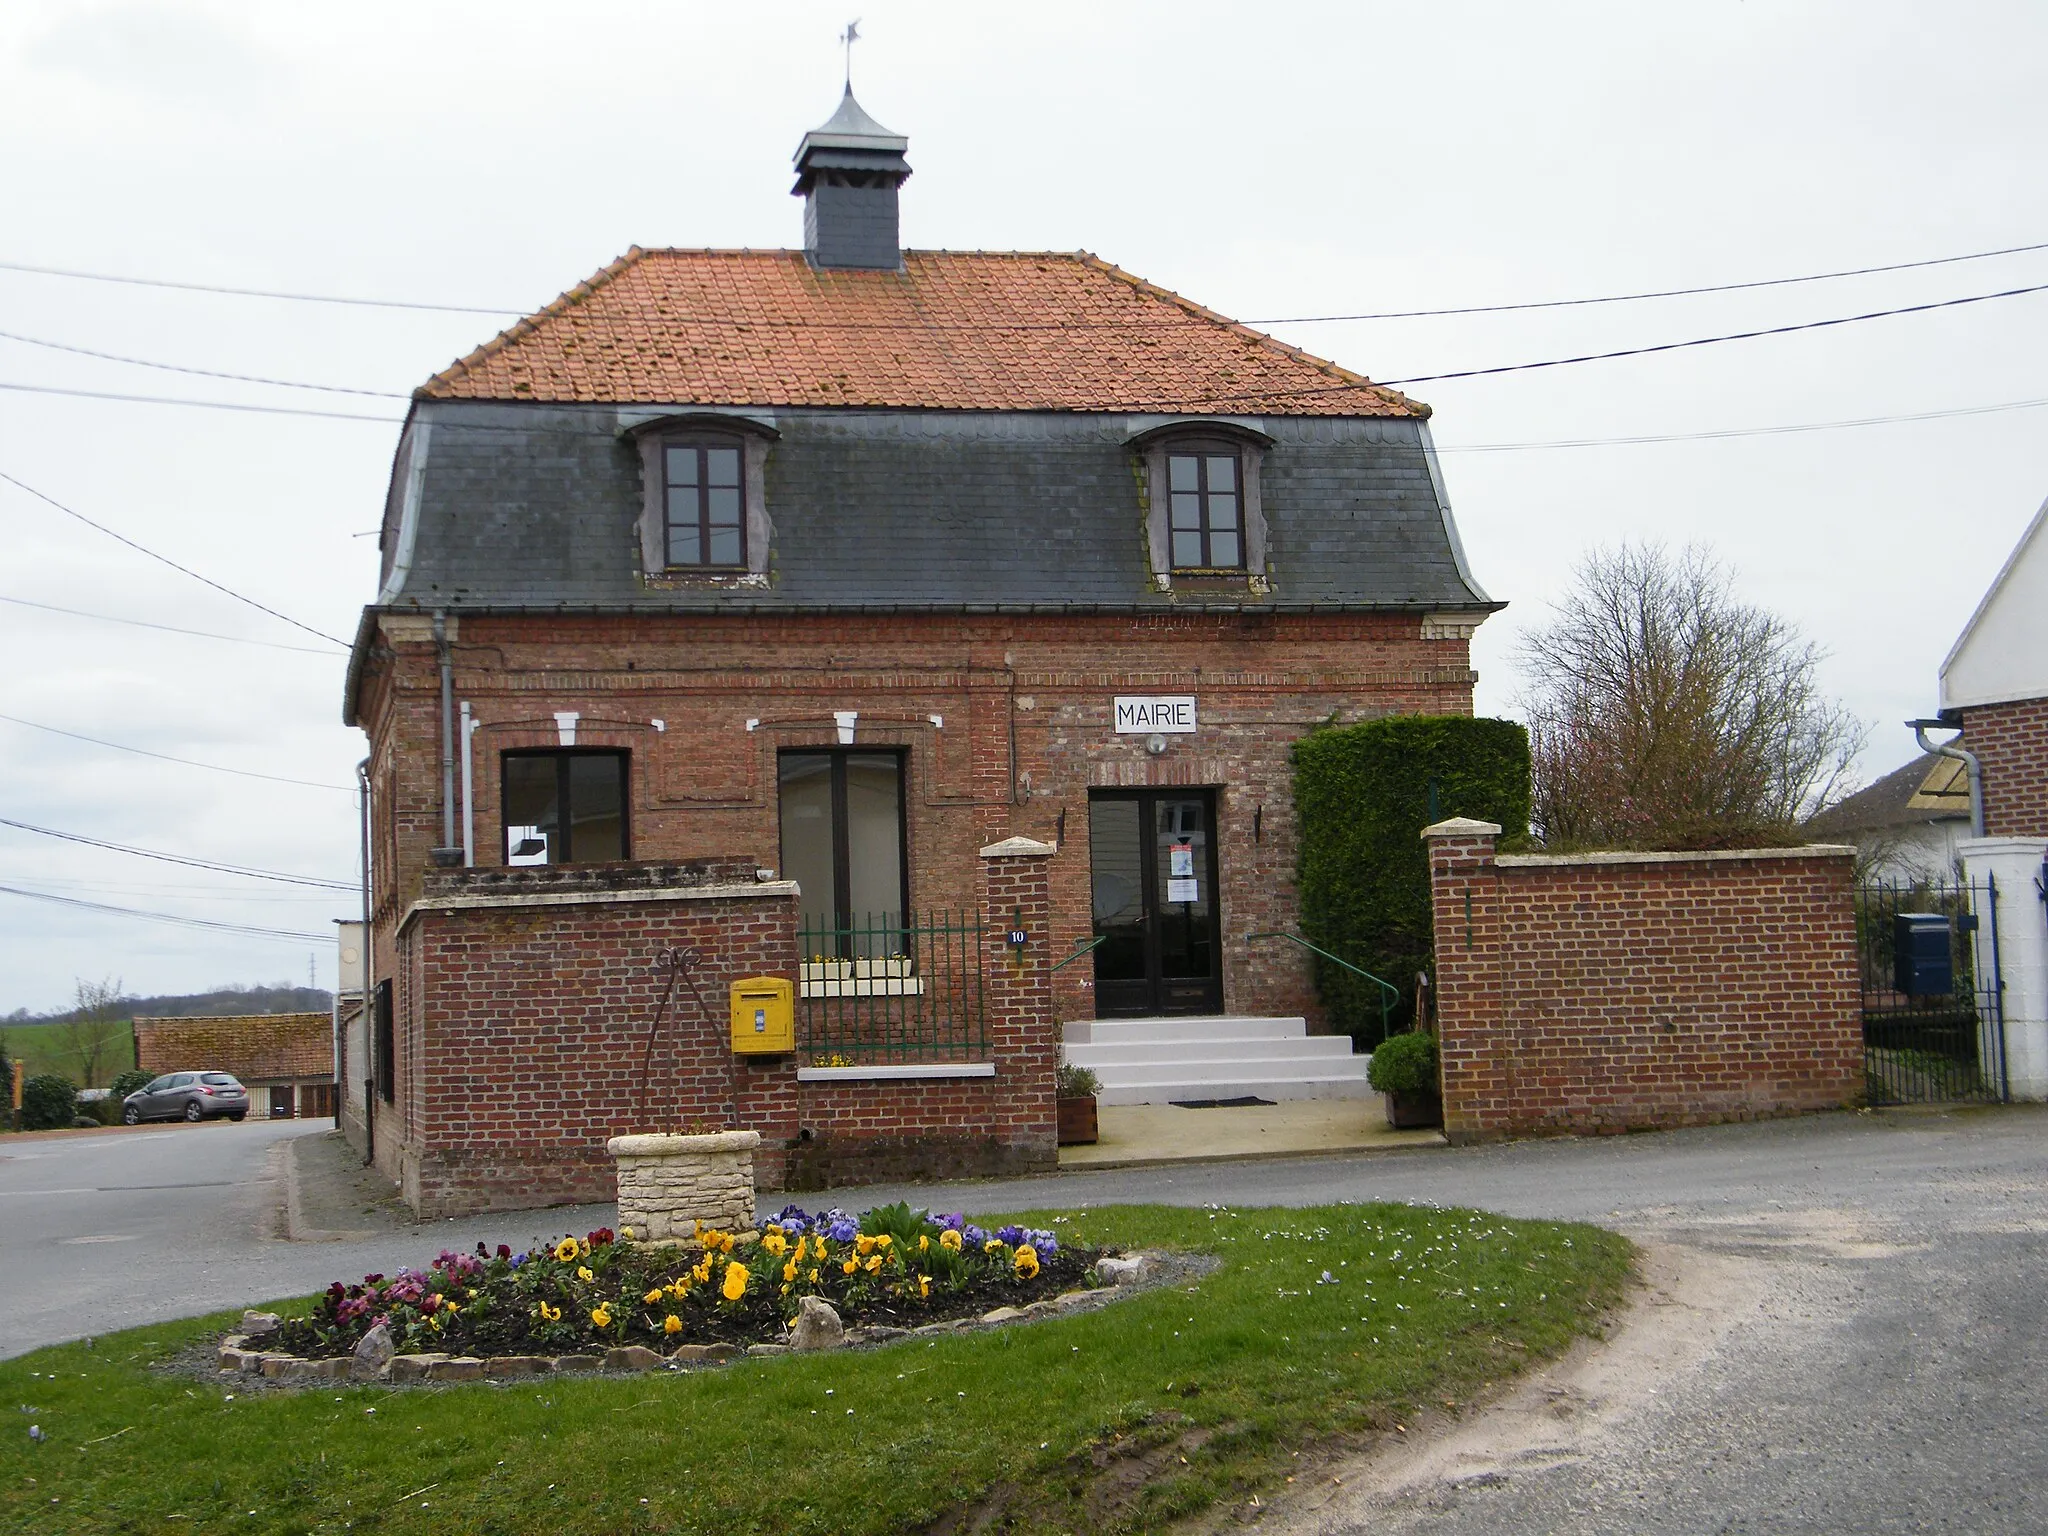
(1155, 744)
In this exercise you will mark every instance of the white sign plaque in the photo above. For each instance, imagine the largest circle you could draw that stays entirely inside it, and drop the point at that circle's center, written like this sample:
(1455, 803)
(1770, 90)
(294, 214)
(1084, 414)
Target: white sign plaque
(1183, 890)
(1163, 714)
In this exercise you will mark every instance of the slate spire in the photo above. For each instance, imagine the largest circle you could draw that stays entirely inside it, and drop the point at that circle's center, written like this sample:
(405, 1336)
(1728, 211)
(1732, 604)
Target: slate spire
(848, 172)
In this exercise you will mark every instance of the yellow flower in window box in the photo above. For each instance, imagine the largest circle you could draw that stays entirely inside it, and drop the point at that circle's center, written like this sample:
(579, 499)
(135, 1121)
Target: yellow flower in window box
(736, 1278)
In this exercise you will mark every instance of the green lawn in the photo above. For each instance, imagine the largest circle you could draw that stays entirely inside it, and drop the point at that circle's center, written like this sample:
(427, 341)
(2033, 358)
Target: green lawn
(1117, 1420)
(47, 1048)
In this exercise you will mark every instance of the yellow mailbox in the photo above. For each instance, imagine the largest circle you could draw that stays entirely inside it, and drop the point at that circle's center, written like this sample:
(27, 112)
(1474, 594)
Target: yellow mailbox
(763, 1015)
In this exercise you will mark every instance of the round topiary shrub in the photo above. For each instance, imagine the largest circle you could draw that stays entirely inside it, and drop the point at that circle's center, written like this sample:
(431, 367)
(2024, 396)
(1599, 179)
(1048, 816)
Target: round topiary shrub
(1404, 1066)
(48, 1102)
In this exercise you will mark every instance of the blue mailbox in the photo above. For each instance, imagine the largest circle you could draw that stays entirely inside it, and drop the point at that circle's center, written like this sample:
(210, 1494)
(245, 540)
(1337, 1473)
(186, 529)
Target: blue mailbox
(1921, 962)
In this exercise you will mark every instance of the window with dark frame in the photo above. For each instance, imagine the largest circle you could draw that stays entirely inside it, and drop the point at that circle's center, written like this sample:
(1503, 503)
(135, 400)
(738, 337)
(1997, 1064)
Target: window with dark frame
(565, 806)
(385, 1065)
(1205, 506)
(842, 831)
(704, 502)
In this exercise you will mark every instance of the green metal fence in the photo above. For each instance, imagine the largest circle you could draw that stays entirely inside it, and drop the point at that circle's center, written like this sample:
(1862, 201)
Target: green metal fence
(892, 987)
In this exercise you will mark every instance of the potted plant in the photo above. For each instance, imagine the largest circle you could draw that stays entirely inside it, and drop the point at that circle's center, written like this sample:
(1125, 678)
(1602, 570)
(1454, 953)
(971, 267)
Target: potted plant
(1074, 1090)
(1404, 1068)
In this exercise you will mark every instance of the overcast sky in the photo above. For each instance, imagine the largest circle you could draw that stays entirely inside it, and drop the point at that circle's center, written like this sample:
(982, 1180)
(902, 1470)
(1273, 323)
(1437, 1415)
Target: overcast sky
(1269, 161)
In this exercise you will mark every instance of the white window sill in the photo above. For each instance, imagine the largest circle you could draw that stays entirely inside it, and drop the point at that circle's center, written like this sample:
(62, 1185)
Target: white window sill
(895, 1071)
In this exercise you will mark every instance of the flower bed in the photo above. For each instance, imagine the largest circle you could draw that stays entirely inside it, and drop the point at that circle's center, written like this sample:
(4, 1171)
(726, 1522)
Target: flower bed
(890, 1267)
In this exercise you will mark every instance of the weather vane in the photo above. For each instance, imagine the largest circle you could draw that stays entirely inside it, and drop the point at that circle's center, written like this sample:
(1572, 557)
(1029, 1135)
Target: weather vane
(846, 40)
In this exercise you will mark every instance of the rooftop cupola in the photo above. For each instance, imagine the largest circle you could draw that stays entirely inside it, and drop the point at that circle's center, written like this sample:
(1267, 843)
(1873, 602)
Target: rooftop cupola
(847, 173)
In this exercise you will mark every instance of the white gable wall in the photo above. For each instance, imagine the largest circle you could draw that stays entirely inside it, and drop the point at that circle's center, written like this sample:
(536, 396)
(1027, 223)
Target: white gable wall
(2002, 654)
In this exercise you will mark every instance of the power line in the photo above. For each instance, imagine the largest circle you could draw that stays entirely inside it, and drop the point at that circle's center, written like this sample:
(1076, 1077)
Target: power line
(211, 405)
(167, 560)
(204, 373)
(247, 930)
(177, 858)
(253, 293)
(173, 629)
(246, 773)
(1401, 314)
(1769, 431)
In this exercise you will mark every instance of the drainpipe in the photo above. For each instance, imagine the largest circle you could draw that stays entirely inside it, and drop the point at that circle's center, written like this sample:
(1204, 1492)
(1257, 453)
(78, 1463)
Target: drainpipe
(447, 853)
(468, 791)
(369, 982)
(1967, 758)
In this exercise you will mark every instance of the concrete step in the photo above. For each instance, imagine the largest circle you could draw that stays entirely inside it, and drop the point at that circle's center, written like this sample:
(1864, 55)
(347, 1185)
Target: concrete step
(1182, 1031)
(1164, 1090)
(1301, 1048)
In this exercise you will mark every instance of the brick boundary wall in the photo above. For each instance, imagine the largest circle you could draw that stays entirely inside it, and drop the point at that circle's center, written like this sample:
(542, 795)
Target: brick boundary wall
(2011, 741)
(527, 1016)
(1615, 992)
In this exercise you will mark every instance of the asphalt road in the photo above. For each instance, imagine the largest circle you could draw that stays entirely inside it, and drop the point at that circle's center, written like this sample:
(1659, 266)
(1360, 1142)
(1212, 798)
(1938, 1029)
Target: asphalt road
(1865, 1348)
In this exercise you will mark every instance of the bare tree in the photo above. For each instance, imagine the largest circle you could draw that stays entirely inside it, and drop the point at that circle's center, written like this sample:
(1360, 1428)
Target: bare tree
(94, 1025)
(1665, 713)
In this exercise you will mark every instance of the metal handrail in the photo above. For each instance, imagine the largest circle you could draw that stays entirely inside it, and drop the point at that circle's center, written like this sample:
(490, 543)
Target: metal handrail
(1389, 993)
(1086, 947)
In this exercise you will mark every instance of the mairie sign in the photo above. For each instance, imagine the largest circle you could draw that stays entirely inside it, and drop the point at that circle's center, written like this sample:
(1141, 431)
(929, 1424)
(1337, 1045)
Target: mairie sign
(1162, 713)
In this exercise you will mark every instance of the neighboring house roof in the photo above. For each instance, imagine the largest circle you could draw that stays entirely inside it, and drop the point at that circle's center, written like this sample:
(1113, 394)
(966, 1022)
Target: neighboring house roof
(2002, 653)
(254, 1047)
(1928, 789)
(953, 330)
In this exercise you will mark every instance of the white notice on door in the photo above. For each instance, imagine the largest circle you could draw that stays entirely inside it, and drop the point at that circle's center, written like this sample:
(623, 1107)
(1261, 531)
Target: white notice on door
(1180, 861)
(1164, 714)
(1183, 890)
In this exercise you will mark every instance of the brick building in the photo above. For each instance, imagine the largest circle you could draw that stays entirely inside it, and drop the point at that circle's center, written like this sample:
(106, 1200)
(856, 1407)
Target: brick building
(823, 571)
(285, 1060)
(1994, 684)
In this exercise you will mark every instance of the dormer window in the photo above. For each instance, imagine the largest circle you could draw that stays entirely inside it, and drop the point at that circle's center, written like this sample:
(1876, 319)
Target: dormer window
(704, 503)
(1204, 522)
(703, 517)
(1205, 506)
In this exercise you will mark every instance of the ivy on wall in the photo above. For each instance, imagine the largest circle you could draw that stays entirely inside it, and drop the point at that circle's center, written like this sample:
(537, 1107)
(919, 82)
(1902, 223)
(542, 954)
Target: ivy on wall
(1362, 795)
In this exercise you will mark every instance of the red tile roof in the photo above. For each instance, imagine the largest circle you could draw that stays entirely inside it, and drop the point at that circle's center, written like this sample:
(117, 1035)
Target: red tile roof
(256, 1047)
(954, 330)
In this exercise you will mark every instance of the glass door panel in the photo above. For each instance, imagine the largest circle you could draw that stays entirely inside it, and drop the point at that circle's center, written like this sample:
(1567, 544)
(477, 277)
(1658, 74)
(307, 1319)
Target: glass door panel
(1152, 863)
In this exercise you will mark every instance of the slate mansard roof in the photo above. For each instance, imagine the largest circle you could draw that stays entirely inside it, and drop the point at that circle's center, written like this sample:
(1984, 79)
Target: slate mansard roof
(953, 436)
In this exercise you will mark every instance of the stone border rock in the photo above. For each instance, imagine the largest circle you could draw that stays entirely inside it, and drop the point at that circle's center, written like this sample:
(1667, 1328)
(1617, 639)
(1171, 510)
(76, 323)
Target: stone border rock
(241, 1355)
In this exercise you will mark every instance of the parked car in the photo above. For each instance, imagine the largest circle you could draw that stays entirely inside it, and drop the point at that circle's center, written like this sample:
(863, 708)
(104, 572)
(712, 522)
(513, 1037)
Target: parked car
(187, 1095)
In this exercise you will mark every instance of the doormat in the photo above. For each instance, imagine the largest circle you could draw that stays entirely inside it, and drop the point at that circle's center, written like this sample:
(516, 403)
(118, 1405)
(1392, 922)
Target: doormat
(1247, 1102)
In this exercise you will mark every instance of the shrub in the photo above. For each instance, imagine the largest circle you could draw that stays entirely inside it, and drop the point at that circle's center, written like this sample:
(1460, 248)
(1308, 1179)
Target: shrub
(1405, 1066)
(1363, 794)
(48, 1102)
(1072, 1082)
(126, 1083)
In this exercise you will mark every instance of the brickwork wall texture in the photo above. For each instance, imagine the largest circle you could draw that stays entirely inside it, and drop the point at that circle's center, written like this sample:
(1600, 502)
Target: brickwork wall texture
(1598, 995)
(1025, 703)
(2011, 741)
(523, 1046)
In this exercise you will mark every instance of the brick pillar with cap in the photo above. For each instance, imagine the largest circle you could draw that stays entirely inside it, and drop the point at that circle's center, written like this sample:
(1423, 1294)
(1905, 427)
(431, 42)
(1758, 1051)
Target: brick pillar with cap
(1478, 1070)
(1016, 893)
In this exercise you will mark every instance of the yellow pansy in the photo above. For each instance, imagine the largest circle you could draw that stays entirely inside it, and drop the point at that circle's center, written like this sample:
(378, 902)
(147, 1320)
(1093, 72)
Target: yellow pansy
(652, 1296)
(1026, 1261)
(803, 1245)
(849, 1266)
(550, 1314)
(583, 1273)
(671, 1324)
(924, 1243)
(993, 1245)
(626, 1233)
(736, 1278)
(814, 1277)
(565, 1250)
(884, 1240)
(789, 1272)
(874, 1263)
(863, 1245)
(450, 1308)
(924, 1286)
(950, 1239)
(775, 1243)
(601, 1317)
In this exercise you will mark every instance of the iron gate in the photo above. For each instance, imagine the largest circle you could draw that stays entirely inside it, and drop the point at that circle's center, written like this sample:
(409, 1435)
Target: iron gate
(1931, 1033)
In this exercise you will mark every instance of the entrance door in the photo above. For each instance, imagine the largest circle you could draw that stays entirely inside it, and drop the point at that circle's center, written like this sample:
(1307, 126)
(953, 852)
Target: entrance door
(1152, 863)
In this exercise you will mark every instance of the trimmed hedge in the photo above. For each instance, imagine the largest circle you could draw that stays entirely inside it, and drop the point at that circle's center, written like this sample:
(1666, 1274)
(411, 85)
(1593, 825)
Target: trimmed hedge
(1362, 795)
(48, 1103)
